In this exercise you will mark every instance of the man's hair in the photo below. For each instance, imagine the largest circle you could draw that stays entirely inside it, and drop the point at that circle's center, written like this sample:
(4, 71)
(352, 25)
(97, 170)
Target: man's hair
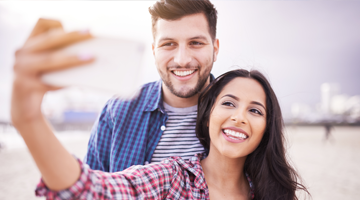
(176, 9)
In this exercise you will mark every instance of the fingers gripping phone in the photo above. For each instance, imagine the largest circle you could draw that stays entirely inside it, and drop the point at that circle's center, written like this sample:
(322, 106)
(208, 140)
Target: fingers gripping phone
(115, 69)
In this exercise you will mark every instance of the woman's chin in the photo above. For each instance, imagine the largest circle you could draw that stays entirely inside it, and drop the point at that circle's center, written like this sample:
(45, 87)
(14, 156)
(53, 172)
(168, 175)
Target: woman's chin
(232, 155)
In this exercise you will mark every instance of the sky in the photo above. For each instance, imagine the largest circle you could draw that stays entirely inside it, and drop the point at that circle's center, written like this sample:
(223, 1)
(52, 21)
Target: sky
(298, 45)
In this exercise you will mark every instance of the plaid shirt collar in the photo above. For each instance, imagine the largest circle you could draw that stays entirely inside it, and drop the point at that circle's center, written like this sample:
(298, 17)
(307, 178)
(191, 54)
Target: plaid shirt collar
(156, 93)
(194, 166)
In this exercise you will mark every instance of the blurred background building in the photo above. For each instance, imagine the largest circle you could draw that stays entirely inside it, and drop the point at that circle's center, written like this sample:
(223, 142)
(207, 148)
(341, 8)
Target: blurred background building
(73, 108)
(335, 108)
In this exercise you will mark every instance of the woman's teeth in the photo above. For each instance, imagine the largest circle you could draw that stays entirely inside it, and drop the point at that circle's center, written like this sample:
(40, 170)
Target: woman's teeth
(234, 134)
(183, 73)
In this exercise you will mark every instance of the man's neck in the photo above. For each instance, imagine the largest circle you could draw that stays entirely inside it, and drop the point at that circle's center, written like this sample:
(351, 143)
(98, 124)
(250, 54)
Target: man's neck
(178, 102)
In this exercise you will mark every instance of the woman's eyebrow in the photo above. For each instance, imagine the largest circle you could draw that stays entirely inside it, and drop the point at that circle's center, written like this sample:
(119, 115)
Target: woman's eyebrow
(231, 96)
(258, 103)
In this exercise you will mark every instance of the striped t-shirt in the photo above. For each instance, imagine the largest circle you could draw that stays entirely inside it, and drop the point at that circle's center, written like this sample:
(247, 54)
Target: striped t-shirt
(179, 138)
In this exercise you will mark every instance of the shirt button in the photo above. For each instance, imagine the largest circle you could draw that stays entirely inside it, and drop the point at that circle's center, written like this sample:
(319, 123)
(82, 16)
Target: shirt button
(146, 162)
(163, 128)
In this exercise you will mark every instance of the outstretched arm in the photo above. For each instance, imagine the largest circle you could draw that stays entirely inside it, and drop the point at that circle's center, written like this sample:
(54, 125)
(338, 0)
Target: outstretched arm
(38, 55)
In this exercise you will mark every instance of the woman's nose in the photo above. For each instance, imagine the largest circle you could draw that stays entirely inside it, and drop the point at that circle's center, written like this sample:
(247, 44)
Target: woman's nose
(239, 117)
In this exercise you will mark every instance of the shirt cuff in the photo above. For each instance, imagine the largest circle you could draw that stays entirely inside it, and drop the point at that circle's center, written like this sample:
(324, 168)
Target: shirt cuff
(72, 192)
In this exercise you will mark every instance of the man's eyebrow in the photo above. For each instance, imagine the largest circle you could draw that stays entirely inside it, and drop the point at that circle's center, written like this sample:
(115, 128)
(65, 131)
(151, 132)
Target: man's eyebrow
(165, 38)
(199, 37)
(237, 99)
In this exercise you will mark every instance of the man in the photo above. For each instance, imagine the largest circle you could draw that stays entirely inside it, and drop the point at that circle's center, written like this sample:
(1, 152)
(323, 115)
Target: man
(160, 122)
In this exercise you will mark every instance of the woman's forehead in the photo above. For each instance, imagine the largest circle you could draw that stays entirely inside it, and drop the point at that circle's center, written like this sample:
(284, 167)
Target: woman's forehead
(244, 88)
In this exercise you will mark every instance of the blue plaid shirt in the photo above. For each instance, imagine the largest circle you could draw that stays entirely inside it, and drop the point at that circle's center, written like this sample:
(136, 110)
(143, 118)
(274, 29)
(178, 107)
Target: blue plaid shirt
(128, 131)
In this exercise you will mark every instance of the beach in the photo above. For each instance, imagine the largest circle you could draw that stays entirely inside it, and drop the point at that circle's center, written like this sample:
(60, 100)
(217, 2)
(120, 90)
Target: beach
(330, 168)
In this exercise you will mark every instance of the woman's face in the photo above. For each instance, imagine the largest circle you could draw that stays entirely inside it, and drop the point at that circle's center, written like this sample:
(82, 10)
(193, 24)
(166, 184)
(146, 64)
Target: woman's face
(238, 118)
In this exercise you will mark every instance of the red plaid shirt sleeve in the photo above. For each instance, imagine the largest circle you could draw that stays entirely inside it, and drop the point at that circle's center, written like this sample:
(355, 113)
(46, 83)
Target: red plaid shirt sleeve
(136, 182)
(173, 178)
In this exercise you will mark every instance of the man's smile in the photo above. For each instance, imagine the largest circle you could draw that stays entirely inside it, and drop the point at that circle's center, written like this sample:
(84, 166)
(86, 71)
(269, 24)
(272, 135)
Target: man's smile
(183, 73)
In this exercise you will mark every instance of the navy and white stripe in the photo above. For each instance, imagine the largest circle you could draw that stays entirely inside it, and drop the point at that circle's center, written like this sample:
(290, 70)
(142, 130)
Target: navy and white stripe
(179, 138)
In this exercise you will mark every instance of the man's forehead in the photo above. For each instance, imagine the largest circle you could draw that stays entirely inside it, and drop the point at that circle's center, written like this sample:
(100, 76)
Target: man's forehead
(195, 25)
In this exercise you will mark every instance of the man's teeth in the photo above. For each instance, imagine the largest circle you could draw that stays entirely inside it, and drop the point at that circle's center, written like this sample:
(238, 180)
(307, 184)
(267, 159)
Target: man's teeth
(235, 134)
(183, 73)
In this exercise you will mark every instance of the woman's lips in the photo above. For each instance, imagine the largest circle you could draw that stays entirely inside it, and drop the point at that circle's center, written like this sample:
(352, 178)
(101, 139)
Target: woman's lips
(234, 135)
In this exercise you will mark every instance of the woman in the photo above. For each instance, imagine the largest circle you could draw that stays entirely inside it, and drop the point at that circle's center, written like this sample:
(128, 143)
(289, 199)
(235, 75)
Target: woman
(240, 125)
(270, 172)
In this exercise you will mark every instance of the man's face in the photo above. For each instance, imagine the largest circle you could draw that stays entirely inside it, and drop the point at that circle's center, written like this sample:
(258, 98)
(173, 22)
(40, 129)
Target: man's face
(184, 54)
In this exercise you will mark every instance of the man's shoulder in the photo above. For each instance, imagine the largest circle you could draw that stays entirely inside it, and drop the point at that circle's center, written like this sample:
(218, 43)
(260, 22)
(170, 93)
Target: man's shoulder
(148, 93)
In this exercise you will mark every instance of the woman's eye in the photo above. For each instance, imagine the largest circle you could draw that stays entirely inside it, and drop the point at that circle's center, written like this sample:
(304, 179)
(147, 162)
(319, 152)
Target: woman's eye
(227, 103)
(256, 111)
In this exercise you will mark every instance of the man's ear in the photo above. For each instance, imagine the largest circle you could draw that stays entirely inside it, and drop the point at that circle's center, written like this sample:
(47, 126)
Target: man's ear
(153, 48)
(216, 49)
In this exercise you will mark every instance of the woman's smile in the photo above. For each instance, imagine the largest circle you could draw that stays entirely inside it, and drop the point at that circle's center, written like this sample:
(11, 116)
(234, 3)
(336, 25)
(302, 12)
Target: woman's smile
(233, 134)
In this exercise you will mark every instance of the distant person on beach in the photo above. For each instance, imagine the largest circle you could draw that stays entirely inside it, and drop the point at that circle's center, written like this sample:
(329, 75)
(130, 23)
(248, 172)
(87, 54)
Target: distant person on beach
(160, 122)
(328, 127)
(239, 124)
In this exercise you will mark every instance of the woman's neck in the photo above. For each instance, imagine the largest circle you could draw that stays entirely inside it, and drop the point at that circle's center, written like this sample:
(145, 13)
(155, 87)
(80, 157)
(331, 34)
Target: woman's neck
(225, 175)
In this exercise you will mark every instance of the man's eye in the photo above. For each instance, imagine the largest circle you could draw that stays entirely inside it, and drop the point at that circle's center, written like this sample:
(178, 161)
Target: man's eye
(227, 103)
(168, 44)
(195, 43)
(256, 111)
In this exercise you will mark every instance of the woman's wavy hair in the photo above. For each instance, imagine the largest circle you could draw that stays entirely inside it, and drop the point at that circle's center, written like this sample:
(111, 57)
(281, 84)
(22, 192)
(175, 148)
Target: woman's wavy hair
(267, 166)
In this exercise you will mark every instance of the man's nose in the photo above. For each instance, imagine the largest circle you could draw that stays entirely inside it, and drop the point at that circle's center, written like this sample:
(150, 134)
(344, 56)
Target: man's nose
(182, 56)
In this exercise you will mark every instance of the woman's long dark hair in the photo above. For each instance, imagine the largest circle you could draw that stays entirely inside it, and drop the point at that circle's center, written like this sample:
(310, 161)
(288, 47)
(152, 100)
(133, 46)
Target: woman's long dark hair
(267, 166)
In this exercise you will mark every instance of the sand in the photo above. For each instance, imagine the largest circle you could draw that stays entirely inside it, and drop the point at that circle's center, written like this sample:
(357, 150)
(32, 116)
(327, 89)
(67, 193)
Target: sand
(329, 168)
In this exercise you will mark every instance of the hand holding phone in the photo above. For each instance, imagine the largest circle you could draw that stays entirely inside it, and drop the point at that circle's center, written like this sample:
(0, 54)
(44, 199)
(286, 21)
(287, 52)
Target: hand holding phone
(115, 69)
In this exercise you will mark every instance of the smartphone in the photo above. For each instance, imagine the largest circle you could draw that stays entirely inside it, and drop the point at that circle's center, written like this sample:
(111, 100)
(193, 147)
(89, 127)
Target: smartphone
(115, 69)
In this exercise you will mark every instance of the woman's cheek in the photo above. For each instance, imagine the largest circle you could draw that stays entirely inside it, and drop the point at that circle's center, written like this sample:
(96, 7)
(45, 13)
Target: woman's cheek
(215, 123)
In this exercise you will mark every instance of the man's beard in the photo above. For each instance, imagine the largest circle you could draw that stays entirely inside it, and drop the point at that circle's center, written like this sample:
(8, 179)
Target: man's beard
(193, 91)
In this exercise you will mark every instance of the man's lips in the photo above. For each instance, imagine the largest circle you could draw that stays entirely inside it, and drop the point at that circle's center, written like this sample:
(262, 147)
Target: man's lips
(183, 73)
